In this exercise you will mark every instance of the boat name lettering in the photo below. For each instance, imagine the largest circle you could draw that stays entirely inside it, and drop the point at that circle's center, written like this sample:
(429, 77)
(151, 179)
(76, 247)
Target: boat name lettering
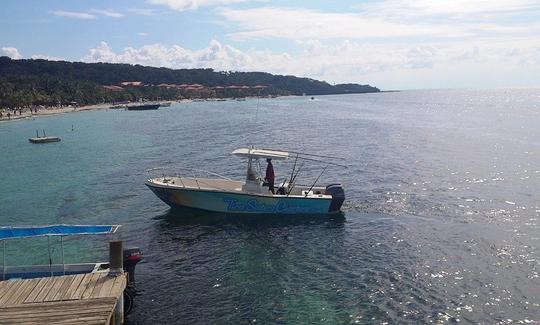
(253, 205)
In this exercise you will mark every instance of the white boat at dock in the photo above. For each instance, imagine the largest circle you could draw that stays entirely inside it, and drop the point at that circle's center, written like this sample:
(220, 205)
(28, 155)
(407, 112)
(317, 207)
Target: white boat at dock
(252, 195)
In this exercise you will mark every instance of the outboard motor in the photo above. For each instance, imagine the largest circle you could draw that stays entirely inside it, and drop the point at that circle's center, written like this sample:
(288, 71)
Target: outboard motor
(338, 196)
(132, 256)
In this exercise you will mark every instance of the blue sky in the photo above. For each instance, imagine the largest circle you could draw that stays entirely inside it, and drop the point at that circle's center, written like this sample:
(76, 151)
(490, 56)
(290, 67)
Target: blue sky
(392, 44)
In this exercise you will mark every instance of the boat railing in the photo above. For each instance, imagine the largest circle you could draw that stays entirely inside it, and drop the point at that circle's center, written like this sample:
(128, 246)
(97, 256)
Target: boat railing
(194, 173)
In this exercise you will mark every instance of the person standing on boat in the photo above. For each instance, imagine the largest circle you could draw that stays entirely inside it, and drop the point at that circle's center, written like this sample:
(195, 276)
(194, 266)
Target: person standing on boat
(270, 175)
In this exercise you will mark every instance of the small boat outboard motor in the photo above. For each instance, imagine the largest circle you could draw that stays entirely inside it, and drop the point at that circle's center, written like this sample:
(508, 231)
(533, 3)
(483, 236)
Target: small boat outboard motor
(132, 256)
(338, 196)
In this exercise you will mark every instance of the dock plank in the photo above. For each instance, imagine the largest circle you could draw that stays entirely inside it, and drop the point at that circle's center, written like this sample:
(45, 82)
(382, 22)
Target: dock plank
(119, 285)
(73, 287)
(106, 288)
(15, 294)
(57, 284)
(97, 311)
(91, 285)
(82, 287)
(46, 289)
(31, 284)
(72, 299)
(39, 286)
(5, 286)
(99, 284)
(12, 289)
(65, 286)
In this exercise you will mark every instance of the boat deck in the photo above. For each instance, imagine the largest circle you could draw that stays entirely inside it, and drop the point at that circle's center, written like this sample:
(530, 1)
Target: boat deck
(89, 298)
(232, 186)
(200, 183)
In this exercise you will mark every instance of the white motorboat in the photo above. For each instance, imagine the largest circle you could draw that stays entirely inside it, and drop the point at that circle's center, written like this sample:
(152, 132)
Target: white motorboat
(252, 195)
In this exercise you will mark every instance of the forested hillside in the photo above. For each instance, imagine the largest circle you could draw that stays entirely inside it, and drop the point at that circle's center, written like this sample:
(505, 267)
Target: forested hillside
(42, 82)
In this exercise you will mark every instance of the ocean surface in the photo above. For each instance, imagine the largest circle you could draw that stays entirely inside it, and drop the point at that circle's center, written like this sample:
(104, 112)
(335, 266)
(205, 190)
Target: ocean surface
(441, 222)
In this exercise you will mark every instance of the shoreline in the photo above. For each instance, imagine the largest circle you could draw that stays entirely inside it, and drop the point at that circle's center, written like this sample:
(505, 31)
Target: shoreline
(53, 111)
(56, 111)
(65, 110)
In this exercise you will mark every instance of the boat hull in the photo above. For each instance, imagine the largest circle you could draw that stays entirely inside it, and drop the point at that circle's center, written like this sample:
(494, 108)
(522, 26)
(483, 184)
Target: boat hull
(240, 203)
(143, 107)
(44, 139)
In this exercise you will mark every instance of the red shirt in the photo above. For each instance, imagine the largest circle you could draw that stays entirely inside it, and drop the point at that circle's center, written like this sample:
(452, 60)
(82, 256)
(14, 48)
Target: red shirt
(270, 172)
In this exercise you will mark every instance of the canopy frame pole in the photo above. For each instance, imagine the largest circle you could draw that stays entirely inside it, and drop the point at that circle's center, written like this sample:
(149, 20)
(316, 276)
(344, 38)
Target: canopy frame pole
(4, 261)
(50, 258)
(63, 261)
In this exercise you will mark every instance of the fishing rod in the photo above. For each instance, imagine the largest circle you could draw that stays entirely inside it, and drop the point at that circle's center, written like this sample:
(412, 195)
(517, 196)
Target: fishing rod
(323, 161)
(307, 154)
(293, 180)
(294, 167)
(315, 181)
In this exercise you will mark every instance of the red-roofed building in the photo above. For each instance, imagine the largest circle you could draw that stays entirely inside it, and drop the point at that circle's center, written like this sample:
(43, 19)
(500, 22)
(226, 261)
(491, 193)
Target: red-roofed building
(131, 83)
(113, 88)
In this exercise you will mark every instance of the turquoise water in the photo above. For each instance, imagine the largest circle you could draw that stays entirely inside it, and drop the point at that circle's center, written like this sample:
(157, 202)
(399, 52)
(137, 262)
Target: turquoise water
(440, 222)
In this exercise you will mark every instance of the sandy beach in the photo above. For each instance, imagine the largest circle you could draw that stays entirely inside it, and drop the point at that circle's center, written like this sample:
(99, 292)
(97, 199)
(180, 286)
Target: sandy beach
(54, 111)
(51, 111)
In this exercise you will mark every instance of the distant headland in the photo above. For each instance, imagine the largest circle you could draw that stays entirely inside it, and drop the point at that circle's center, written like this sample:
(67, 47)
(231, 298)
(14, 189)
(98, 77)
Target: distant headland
(27, 83)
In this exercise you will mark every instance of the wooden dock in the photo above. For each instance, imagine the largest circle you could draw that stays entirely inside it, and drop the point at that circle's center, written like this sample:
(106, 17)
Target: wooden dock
(91, 298)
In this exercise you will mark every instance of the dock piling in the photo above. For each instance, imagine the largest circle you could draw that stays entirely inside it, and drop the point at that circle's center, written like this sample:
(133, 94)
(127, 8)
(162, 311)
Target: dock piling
(116, 264)
(116, 267)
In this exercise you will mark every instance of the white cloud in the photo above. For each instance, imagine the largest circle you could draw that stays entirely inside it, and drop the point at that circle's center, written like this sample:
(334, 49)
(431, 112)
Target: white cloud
(384, 65)
(107, 12)
(12, 53)
(90, 14)
(301, 23)
(182, 5)
(142, 34)
(400, 8)
(143, 11)
(388, 20)
(47, 57)
(74, 14)
(216, 55)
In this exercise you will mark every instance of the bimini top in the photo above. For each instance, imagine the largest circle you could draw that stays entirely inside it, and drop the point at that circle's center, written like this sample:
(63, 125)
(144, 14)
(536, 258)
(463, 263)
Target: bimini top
(56, 230)
(261, 153)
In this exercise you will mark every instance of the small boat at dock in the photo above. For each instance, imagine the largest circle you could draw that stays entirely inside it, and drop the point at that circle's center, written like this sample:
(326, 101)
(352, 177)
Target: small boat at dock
(43, 138)
(165, 104)
(120, 260)
(252, 195)
(34, 271)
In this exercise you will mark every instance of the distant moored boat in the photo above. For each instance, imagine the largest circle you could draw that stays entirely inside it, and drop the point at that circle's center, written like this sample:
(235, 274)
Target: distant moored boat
(142, 107)
(43, 139)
